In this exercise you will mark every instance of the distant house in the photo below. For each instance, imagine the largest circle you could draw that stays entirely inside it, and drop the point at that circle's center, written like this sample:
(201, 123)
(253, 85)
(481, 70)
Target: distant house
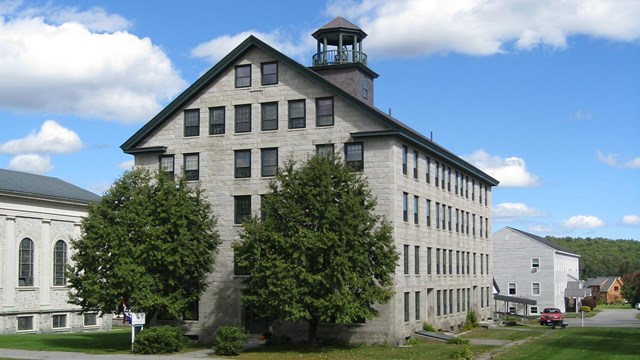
(530, 267)
(606, 289)
(39, 216)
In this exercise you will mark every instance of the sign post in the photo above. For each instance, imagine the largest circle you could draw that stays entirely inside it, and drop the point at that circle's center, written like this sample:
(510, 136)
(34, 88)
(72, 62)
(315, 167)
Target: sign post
(137, 321)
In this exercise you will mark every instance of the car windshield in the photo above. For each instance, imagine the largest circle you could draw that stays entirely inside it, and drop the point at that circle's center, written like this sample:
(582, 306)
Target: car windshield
(553, 311)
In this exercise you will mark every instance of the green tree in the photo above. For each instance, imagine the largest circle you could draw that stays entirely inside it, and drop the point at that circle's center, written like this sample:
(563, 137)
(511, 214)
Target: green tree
(631, 288)
(150, 240)
(318, 253)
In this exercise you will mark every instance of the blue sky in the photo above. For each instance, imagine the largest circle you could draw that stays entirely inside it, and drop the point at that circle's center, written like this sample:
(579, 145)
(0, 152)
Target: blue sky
(543, 95)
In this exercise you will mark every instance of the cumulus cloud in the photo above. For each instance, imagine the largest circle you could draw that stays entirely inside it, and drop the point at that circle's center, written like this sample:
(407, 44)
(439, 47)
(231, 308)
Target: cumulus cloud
(31, 163)
(81, 63)
(515, 210)
(541, 229)
(282, 40)
(126, 165)
(631, 220)
(52, 138)
(583, 222)
(411, 28)
(511, 171)
(612, 160)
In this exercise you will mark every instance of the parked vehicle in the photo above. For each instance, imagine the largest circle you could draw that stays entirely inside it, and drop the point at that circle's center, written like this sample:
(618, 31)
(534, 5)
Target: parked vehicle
(638, 306)
(552, 317)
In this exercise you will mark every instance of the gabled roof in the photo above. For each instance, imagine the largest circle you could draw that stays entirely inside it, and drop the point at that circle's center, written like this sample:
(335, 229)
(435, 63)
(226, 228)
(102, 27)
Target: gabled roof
(604, 282)
(395, 127)
(31, 185)
(542, 240)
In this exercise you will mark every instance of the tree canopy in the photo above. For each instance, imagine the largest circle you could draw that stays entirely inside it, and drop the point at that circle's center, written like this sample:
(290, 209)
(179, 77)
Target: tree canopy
(318, 252)
(603, 257)
(150, 240)
(631, 288)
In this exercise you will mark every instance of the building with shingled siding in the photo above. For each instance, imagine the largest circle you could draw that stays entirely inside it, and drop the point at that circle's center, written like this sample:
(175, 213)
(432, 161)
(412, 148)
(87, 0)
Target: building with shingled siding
(257, 107)
(39, 215)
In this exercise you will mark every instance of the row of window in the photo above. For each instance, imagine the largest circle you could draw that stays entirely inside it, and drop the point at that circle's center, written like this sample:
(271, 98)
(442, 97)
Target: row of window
(58, 321)
(26, 263)
(535, 289)
(268, 161)
(462, 184)
(268, 74)
(297, 118)
(444, 217)
(445, 300)
(465, 261)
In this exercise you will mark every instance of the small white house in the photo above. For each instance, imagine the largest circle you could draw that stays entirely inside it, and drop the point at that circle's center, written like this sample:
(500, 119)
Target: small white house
(529, 266)
(39, 215)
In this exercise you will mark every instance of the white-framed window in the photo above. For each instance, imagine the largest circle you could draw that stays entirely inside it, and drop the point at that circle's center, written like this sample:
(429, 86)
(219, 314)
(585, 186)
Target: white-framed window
(59, 321)
(25, 323)
(90, 319)
(535, 288)
(535, 265)
(512, 289)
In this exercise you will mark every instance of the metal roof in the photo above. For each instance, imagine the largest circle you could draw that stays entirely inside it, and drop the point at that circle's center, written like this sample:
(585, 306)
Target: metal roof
(25, 184)
(515, 299)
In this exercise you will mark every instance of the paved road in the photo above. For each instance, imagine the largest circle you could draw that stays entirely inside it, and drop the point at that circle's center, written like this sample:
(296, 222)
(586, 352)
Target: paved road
(609, 318)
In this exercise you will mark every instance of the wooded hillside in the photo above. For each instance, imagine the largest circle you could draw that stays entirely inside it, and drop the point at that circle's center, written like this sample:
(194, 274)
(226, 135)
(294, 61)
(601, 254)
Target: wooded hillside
(602, 257)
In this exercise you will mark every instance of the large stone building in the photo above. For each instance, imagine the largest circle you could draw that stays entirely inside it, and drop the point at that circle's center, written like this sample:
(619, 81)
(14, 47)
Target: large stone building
(39, 216)
(257, 107)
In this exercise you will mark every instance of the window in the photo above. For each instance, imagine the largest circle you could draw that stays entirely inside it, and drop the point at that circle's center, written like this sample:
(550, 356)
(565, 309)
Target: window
(437, 174)
(442, 176)
(450, 301)
(25, 323)
(481, 297)
(416, 254)
(297, 114)
(474, 263)
(473, 189)
(473, 224)
(59, 321)
(429, 260)
(415, 164)
(167, 165)
(438, 261)
(59, 263)
(462, 300)
(486, 264)
(192, 122)
(90, 319)
(534, 309)
(462, 263)
(481, 264)
(450, 262)
(324, 111)
(438, 303)
(428, 210)
(269, 158)
(457, 262)
(535, 265)
(269, 73)
(25, 266)
(427, 170)
(481, 232)
(444, 302)
(269, 113)
(535, 289)
(417, 305)
(243, 76)
(616, 288)
(243, 118)
(242, 208)
(449, 218)
(457, 220)
(444, 216)
(325, 150)
(444, 261)
(458, 300)
(406, 259)
(406, 306)
(192, 166)
(405, 207)
(365, 87)
(216, 120)
(437, 215)
(455, 187)
(512, 288)
(416, 200)
(242, 163)
(448, 179)
(404, 159)
(354, 155)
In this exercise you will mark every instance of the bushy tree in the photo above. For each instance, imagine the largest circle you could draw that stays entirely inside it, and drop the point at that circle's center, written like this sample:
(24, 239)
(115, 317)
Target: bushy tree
(631, 288)
(150, 240)
(318, 253)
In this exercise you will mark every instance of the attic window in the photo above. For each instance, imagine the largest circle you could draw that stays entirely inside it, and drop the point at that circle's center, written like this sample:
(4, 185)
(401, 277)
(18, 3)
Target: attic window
(269, 73)
(243, 76)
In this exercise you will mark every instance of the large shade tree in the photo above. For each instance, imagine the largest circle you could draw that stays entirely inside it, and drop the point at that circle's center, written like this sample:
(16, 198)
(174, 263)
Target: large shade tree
(318, 252)
(631, 287)
(151, 241)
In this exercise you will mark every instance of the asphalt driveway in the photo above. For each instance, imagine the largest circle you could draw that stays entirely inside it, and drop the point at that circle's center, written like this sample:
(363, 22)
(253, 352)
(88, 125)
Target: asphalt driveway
(609, 318)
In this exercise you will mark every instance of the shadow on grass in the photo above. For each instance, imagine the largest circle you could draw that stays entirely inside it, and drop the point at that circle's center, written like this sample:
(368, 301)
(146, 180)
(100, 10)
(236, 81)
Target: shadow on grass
(86, 342)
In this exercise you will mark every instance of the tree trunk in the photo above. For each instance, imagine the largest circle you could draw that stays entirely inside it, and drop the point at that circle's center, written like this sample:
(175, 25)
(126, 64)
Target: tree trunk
(314, 322)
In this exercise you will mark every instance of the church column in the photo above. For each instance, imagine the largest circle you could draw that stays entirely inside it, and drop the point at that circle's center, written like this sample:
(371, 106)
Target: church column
(10, 256)
(46, 268)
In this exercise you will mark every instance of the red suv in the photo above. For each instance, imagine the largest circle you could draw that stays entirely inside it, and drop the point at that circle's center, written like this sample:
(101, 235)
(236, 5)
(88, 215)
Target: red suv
(551, 316)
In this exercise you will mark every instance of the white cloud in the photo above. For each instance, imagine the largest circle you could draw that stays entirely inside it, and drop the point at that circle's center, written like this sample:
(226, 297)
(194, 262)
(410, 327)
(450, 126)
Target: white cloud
(515, 210)
(54, 60)
(511, 171)
(31, 163)
(631, 220)
(583, 115)
(476, 27)
(100, 187)
(541, 229)
(52, 138)
(126, 165)
(583, 222)
(612, 160)
(282, 40)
